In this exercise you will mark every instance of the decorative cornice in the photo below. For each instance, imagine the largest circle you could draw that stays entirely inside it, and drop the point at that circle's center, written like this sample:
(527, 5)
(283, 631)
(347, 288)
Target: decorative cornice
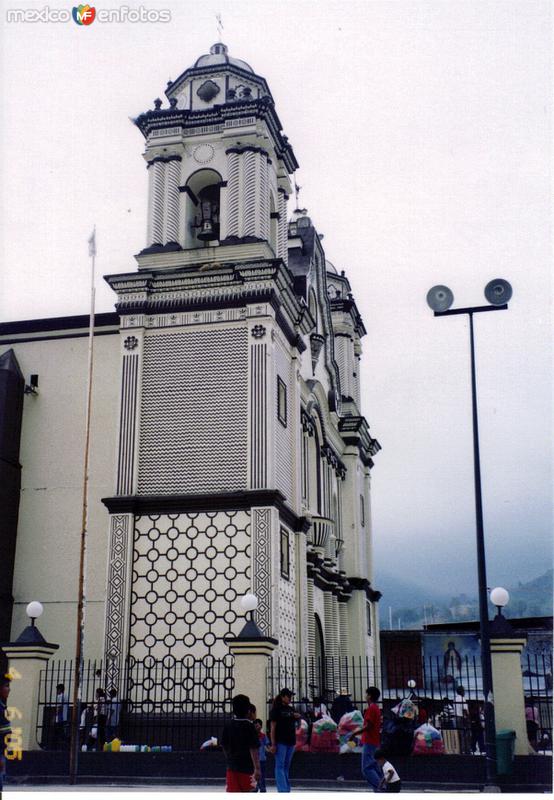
(247, 148)
(362, 584)
(348, 306)
(260, 108)
(326, 578)
(163, 159)
(224, 501)
(225, 286)
(355, 431)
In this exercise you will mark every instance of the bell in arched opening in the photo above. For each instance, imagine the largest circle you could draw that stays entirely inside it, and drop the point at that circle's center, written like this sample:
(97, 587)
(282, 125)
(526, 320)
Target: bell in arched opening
(208, 217)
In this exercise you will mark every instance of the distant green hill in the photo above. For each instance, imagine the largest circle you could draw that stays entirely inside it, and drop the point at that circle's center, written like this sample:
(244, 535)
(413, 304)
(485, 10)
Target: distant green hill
(413, 606)
(532, 599)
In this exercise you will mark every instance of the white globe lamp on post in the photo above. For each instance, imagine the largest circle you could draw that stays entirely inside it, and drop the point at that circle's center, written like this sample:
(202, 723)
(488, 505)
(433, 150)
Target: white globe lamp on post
(500, 598)
(249, 603)
(31, 634)
(34, 610)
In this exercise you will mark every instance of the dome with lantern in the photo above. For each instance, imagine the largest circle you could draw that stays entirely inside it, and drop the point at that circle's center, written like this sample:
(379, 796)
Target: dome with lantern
(216, 78)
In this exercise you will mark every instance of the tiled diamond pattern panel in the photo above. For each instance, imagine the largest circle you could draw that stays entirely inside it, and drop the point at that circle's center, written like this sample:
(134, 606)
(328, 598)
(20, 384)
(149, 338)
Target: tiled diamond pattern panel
(261, 566)
(194, 412)
(188, 571)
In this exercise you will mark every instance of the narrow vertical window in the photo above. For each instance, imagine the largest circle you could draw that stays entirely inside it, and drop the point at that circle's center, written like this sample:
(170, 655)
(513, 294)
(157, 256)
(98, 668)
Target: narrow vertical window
(282, 401)
(362, 511)
(285, 554)
(368, 607)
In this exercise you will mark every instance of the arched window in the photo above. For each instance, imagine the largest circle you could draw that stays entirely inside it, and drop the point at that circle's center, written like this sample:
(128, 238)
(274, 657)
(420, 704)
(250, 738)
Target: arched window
(313, 308)
(202, 208)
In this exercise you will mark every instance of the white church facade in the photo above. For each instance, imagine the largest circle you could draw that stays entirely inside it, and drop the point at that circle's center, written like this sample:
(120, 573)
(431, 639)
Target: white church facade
(229, 452)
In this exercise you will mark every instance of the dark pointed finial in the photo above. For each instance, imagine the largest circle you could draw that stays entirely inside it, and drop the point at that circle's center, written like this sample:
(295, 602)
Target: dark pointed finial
(173, 102)
(157, 103)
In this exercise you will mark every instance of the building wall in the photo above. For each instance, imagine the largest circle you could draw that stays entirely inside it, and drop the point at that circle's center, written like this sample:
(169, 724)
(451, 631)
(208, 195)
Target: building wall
(52, 458)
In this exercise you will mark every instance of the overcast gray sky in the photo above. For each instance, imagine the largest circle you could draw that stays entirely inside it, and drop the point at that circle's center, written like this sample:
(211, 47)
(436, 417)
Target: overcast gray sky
(423, 133)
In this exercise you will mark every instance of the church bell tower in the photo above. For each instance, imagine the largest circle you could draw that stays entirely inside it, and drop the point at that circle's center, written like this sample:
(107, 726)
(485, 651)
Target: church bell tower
(235, 441)
(218, 168)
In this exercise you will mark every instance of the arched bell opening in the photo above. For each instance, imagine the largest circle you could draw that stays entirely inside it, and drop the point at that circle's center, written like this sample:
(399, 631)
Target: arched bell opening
(202, 208)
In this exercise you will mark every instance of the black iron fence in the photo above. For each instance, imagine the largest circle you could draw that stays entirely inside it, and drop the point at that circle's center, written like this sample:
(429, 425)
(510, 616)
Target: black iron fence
(166, 704)
(425, 678)
(180, 704)
(451, 703)
(537, 686)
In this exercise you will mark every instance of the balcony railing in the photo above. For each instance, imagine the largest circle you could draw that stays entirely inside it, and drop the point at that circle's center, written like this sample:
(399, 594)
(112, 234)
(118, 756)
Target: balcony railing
(320, 532)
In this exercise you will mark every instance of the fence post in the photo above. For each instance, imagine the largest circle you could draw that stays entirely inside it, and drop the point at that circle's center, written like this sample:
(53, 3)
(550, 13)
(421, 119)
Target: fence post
(507, 680)
(252, 650)
(27, 656)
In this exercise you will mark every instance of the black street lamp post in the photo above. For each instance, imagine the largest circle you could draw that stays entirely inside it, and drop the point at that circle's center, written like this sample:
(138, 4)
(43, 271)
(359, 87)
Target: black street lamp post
(440, 298)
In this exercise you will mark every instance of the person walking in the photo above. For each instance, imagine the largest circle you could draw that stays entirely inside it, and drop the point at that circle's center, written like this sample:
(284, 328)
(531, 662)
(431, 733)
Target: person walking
(371, 738)
(477, 728)
(461, 713)
(262, 753)
(5, 727)
(113, 714)
(100, 718)
(532, 723)
(283, 737)
(240, 742)
(61, 724)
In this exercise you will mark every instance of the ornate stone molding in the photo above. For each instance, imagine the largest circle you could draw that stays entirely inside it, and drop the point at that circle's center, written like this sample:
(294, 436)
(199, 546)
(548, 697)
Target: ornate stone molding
(261, 566)
(118, 595)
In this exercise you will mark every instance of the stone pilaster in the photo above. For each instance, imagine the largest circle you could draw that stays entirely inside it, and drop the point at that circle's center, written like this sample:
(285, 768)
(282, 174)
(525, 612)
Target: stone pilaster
(250, 672)
(156, 180)
(507, 681)
(25, 664)
(172, 201)
(282, 231)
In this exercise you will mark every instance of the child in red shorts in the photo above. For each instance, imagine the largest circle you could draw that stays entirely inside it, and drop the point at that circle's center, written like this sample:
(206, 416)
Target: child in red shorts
(240, 744)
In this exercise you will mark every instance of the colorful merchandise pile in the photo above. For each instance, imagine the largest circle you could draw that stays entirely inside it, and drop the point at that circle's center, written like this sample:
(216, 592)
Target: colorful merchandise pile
(352, 721)
(427, 741)
(325, 738)
(302, 737)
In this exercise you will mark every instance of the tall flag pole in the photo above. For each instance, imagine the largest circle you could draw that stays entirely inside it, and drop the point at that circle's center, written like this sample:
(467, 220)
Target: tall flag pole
(81, 602)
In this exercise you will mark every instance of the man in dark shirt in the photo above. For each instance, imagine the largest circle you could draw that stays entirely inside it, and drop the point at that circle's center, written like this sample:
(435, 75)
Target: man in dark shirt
(240, 744)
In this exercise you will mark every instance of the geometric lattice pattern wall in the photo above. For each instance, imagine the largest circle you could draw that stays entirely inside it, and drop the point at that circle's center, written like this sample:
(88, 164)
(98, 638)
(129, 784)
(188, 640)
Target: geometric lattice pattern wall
(188, 572)
(193, 432)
